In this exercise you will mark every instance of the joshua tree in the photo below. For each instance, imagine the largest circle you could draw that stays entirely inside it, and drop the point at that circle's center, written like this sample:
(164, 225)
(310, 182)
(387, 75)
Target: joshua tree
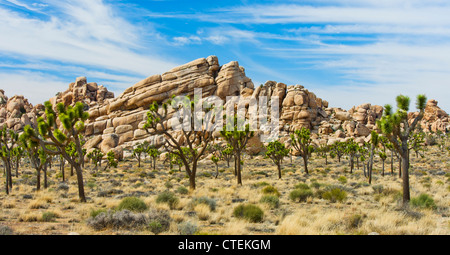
(338, 149)
(49, 135)
(227, 154)
(138, 151)
(237, 139)
(17, 153)
(373, 145)
(110, 160)
(196, 140)
(398, 130)
(8, 140)
(301, 141)
(276, 151)
(96, 156)
(352, 150)
(323, 151)
(154, 154)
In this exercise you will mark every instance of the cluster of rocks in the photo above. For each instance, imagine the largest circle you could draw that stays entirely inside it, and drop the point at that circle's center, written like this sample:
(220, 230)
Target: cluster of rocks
(90, 94)
(16, 112)
(117, 123)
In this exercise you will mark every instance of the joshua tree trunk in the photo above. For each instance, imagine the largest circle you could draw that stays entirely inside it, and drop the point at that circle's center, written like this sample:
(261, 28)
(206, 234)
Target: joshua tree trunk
(238, 162)
(279, 170)
(382, 171)
(305, 163)
(217, 170)
(405, 175)
(80, 183)
(392, 162)
(45, 176)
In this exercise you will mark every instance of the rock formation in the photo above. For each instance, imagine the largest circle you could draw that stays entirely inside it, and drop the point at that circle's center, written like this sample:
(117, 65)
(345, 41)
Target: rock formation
(115, 123)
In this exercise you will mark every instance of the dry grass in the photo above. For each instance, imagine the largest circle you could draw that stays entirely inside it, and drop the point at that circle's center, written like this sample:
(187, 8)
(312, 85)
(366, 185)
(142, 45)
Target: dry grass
(363, 212)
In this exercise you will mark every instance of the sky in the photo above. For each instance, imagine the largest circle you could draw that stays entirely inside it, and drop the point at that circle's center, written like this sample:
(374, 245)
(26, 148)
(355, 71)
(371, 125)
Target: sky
(347, 52)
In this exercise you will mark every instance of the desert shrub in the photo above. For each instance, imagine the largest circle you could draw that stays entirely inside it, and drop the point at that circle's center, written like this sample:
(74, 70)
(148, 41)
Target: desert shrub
(342, 179)
(272, 200)
(159, 220)
(205, 200)
(270, 190)
(249, 212)
(423, 201)
(182, 190)
(187, 228)
(300, 195)
(378, 189)
(354, 221)
(62, 186)
(335, 195)
(301, 186)
(168, 185)
(123, 219)
(133, 204)
(260, 184)
(49, 216)
(167, 197)
(5, 231)
(315, 185)
(94, 213)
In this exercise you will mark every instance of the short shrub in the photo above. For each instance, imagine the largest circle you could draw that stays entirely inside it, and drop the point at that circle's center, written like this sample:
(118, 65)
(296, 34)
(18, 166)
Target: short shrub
(315, 185)
(270, 190)
(249, 212)
(94, 213)
(272, 200)
(187, 228)
(133, 204)
(205, 200)
(5, 231)
(378, 189)
(260, 184)
(301, 186)
(49, 216)
(354, 221)
(123, 219)
(167, 197)
(159, 220)
(182, 190)
(300, 195)
(168, 185)
(423, 201)
(335, 195)
(342, 179)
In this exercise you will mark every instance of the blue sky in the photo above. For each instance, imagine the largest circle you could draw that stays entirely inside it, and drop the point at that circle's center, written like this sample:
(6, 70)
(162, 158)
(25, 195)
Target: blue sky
(348, 52)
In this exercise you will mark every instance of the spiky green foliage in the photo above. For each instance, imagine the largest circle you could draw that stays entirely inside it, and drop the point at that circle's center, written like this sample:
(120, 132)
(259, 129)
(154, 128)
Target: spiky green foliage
(301, 141)
(398, 129)
(237, 140)
(54, 139)
(276, 151)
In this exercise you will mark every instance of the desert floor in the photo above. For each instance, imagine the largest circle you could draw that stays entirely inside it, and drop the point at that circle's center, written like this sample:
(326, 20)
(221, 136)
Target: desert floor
(368, 209)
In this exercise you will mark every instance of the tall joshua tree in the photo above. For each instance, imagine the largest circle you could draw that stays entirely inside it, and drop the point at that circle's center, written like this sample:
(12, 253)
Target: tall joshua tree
(398, 130)
(301, 141)
(374, 140)
(8, 140)
(276, 151)
(196, 139)
(237, 140)
(49, 135)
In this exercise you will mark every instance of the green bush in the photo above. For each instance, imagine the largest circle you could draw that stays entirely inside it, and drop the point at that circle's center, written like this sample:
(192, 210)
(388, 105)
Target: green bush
(205, 200)
(378, 189)
(335, 195)
(272, 200)
(316, 185)
(300, 195)
(182, 190)
(155, 227)
(301, 186)
(260, 184)
(49, 216)
(133, 204)
(270, 190)
(249, 212)
(167, 197)
(342, 179)
(423, 201)
(187, 228)
(97, 212)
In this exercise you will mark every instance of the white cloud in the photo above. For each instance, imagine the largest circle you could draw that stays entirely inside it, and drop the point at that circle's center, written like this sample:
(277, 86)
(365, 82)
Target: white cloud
(90, 34)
